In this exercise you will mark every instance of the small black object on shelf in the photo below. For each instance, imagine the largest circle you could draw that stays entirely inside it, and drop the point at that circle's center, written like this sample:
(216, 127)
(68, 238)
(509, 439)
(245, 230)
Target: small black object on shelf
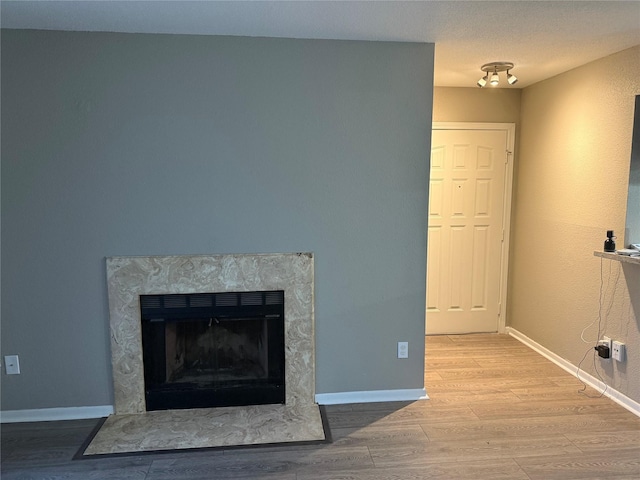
(609, 243)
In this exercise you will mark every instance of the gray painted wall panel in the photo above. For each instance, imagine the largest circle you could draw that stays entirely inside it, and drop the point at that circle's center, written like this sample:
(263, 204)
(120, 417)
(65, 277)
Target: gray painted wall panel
(117, 144)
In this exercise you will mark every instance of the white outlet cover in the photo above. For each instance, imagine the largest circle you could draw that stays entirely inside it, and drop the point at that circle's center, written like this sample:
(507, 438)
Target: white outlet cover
(12, 364)
(618, 351)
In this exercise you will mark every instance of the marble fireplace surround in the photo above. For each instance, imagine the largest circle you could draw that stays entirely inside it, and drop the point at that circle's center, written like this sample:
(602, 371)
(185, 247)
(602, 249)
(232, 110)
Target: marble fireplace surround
(130, 277)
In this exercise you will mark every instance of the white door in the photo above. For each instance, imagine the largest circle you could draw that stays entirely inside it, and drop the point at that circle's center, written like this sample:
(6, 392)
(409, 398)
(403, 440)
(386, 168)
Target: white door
(468, 195)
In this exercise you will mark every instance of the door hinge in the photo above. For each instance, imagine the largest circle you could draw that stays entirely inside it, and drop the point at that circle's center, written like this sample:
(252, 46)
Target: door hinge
(506, 158)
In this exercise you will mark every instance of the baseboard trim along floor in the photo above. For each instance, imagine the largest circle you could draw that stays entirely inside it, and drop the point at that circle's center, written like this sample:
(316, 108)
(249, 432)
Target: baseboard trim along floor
(609, 391)
(400, 395)
(53, 414)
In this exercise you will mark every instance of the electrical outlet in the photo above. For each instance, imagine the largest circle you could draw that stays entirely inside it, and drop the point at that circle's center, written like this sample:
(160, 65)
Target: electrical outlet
(12, 364)
(403, 349)
(618, 351)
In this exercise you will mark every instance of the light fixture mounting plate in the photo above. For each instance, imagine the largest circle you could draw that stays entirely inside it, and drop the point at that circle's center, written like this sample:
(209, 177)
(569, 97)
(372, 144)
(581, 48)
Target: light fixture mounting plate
(496, 67)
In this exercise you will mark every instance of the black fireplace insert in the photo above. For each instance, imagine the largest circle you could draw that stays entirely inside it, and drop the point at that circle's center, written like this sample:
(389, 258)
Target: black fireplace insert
(213, 349)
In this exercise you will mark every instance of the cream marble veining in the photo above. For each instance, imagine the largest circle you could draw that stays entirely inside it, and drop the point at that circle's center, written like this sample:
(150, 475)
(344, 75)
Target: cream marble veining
(132, 428)
(130, 277)
(207, 427)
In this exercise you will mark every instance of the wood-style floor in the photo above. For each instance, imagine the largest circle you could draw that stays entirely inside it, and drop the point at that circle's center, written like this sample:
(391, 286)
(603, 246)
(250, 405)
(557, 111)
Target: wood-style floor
(497, 410)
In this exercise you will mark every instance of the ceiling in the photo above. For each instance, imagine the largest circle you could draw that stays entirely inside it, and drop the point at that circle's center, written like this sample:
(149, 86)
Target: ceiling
(542, 38)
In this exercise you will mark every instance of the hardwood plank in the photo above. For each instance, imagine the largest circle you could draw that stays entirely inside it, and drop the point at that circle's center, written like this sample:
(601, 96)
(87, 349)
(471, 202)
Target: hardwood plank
(558, 393)
(203, 467)
(599, 441)
(43, 443)
(434, 341)
(51, 428)
(430, 376)
(510, 372)
(481, 449)
(472, 385)
(106, 469)
(384, 407)
(511, 360)
(45, 434)
(531, 426)
(441, 363)
(493, 469)
(347, 407)
(482, 338)
(461, 351)
(433, 413)
(37, 456)
(379, 435)
(566, 380)
(624, 464)
(463, 398)
(543, 409)
(256, 463)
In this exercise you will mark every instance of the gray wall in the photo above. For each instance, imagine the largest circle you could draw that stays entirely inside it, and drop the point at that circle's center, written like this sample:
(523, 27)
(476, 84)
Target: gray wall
(116, 144)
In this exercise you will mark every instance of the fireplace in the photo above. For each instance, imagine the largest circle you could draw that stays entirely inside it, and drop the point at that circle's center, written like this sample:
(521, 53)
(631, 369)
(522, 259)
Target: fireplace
(190, 294)
(213, 349)
(134, 283)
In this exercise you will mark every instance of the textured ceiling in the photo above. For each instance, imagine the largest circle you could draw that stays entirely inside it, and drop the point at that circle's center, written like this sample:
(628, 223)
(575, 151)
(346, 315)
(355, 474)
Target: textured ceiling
(542, 38)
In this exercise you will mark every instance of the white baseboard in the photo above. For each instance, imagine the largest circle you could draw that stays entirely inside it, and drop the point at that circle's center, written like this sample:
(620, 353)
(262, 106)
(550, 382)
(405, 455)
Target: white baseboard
(78, 413)
(402, 395)
(52, 414)
(613, 394)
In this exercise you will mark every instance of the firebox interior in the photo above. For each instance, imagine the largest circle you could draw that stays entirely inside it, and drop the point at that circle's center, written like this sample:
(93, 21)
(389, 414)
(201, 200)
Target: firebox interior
(213, 349)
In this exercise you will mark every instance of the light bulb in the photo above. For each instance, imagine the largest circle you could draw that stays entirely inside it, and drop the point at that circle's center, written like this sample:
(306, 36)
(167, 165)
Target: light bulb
(495, 79)
(482, 82)
(511, 79)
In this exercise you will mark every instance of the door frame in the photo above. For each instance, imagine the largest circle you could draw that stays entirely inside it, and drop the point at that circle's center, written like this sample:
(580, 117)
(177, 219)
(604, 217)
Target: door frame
(510, 129)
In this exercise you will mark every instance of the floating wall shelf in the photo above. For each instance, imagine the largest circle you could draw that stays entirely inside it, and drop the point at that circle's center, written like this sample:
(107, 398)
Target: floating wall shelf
(619, 258)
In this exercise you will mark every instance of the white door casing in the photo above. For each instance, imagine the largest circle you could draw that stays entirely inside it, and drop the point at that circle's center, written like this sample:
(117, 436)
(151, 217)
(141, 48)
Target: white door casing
(468, 238)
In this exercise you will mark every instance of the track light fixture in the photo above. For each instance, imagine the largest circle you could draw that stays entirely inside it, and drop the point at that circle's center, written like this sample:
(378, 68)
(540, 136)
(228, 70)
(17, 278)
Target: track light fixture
(491, 73)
